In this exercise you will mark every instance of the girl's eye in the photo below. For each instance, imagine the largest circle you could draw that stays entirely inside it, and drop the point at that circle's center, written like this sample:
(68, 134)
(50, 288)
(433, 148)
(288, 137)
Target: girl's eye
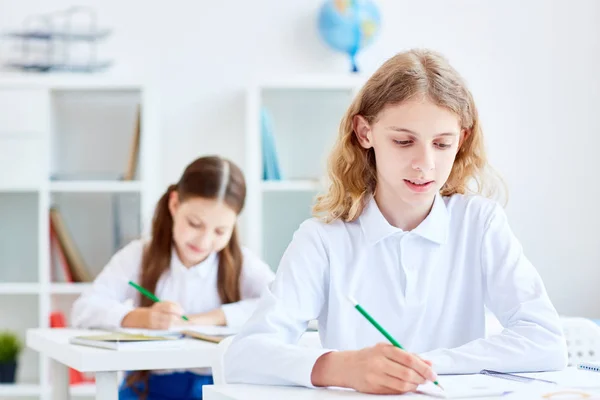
(443, 145)
(193, 225)
(403, 142)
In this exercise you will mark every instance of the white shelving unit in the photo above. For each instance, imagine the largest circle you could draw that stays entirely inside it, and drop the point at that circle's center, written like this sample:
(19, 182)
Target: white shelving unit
(95, 187)
(21, 390)
(306, 112)
(65, 142)
(26, 390)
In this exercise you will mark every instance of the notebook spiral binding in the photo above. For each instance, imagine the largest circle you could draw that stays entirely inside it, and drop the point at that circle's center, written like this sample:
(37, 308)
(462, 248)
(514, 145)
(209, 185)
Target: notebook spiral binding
(589, 367)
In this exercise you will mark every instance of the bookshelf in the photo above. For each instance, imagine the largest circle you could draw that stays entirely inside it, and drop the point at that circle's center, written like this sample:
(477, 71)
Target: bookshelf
(68, 142)
(304, 112)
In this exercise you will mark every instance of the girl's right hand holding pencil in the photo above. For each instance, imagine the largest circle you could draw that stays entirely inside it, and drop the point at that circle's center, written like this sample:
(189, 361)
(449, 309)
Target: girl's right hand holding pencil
(161, 315)
(381, 369)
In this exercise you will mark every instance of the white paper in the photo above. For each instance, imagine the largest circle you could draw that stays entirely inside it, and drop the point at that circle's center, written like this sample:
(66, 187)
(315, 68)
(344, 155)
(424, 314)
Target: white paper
(175, 331)
(480, 386)
(570, 378)
(210, 330)
(469, 386)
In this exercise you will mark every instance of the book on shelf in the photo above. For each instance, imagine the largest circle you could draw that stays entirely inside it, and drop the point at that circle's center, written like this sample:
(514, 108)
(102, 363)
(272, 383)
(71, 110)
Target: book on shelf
(134, 148)
(126, 219)
(60, 271)
(271, 170)
(74, 268)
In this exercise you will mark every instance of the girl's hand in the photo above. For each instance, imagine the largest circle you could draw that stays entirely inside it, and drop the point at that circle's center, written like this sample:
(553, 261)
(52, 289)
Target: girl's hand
(162, 315)
(382, 369)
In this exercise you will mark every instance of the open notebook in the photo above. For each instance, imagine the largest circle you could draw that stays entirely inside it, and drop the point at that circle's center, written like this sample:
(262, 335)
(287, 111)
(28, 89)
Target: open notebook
(466, 387)
(122, 340)
(202, 332)
(569, 384)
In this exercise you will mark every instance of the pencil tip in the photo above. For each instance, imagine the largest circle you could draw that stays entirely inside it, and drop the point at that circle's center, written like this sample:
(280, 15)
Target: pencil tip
(352, 300)
(440, 386)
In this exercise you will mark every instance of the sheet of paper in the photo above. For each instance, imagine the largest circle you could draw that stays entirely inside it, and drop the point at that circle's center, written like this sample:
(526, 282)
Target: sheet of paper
(175, 331)
(576, 382)
(570, 378)
(149, 332)
(470, 386)
(211, 330)
(488, 387)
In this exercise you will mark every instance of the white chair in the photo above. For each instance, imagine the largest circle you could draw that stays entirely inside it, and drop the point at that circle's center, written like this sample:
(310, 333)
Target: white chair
(583, 339)
(308, 339)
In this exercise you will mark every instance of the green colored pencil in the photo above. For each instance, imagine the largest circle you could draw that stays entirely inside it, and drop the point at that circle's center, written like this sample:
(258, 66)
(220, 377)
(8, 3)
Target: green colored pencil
(380, 328)
(150, 295)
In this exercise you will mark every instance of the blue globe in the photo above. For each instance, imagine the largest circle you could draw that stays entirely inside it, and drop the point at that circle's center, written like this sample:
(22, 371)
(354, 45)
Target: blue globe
(349, 25)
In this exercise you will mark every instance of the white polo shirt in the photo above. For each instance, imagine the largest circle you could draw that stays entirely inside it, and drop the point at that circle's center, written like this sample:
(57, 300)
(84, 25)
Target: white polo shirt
(108, 300)
(427, 287)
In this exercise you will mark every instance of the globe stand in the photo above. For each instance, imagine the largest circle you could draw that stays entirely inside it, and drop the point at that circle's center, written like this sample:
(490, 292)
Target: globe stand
(354, 66)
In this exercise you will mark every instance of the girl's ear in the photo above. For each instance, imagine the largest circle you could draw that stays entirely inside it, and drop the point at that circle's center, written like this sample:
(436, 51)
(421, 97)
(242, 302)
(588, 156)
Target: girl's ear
(464, 134)
(363, 132)
(173, 202)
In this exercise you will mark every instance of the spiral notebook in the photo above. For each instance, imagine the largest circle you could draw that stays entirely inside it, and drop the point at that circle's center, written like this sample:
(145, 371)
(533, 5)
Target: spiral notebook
(593, 366)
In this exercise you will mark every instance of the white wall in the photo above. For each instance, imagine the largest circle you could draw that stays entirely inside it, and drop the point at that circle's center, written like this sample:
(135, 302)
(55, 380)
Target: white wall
(532, 66)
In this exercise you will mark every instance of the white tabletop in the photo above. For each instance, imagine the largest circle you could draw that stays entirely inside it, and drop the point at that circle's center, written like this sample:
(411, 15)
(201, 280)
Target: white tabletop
(54, 343)
(580, 381)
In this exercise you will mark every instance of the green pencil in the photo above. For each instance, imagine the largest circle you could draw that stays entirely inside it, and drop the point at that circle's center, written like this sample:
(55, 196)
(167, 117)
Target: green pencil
(149, 295)
(380, 328)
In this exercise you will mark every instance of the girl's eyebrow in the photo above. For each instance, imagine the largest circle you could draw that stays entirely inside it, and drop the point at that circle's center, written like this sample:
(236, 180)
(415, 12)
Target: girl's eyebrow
(398, 129)
(196, 220)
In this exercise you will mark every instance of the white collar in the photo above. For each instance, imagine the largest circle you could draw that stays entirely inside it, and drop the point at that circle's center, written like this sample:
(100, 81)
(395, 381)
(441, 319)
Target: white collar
(202, 269)
(434, 227)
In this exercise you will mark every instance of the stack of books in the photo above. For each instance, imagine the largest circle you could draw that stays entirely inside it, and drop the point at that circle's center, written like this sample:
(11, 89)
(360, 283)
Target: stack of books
(271, 170)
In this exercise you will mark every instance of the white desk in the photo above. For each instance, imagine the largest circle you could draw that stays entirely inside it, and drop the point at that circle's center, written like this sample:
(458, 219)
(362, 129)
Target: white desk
(581, 381)
(106, 364)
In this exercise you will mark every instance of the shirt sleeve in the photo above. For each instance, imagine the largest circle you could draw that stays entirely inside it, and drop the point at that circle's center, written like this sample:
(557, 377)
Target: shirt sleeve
(532, 338)
(266, 351)
(255, 278)
(104, 304)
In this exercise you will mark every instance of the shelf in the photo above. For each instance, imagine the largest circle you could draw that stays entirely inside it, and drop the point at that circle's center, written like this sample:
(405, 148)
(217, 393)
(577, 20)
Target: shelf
(19, 288)
(61, 81)
(83, 389)
(31, 390)
(19, 390)
(291, 186)
(68, 288)
(95, 186)
(35, 288)
(18, 189)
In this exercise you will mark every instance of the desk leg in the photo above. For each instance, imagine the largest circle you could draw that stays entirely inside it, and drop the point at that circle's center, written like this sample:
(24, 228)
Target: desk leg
(107, 385)
(60, 381)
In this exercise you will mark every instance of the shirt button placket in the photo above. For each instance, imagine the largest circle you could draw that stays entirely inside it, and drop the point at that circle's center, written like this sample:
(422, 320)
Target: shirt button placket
(409, 267)
(401, 266)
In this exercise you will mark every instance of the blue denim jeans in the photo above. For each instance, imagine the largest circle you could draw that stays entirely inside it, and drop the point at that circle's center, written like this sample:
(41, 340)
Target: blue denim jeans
(175, 386)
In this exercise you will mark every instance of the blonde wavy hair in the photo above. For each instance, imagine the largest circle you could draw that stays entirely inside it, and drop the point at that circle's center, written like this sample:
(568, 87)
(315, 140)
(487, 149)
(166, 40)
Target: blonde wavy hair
(417, 72)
